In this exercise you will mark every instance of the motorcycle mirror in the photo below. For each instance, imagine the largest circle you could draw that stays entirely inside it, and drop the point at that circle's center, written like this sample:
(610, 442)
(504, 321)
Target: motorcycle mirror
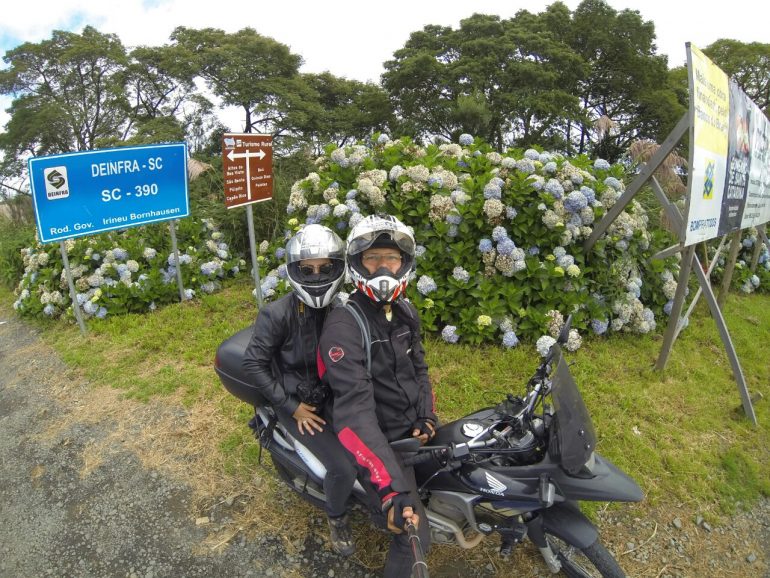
(405, 445)
(564, 333)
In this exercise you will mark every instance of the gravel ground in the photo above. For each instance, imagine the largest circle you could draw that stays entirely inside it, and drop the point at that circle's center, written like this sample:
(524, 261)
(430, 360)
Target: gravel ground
(63, 513)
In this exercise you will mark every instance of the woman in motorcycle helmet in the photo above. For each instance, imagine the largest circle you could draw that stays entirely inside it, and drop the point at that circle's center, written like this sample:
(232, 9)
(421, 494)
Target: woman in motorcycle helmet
(281, 361)
(395, 399)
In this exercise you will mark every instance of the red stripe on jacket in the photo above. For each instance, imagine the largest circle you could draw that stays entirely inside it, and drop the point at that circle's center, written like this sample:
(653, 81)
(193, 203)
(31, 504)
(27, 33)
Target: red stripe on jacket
(366, 458)
(320, 364)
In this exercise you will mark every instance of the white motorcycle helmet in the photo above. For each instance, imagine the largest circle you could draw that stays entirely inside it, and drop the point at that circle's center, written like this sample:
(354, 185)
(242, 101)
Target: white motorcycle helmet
(371, 232)
(315, 288)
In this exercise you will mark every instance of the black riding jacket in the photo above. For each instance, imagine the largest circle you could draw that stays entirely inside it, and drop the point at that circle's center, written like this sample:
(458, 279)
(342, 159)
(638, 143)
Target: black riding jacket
(280, 359)
(369, 411)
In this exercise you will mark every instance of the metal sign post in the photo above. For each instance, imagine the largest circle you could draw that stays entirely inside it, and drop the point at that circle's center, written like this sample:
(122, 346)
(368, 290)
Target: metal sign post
(175, 250)
(248, 168)
(73, 293)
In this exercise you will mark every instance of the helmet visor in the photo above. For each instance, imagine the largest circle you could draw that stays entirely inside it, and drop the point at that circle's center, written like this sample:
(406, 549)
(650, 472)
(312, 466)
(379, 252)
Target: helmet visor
(365, 240)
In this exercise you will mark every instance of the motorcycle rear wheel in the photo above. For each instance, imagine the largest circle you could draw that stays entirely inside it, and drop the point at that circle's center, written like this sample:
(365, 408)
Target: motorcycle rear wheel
(591, 562)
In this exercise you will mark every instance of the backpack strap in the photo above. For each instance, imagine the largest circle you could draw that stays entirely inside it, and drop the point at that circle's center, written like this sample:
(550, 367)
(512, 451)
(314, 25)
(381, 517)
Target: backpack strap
(366, 335)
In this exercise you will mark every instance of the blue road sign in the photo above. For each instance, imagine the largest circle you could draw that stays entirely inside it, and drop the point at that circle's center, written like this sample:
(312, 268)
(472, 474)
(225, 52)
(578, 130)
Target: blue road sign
(90, 192)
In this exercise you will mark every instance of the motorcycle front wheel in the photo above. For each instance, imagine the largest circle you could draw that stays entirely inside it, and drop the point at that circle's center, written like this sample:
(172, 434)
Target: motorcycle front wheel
(595, 561)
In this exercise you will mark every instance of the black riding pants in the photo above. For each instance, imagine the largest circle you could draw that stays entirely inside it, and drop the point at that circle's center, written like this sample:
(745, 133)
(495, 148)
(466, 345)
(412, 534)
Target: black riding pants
(340, 469)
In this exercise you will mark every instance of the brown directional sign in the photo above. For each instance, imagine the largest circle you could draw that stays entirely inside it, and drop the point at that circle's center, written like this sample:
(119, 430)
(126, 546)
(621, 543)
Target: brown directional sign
(248, 168)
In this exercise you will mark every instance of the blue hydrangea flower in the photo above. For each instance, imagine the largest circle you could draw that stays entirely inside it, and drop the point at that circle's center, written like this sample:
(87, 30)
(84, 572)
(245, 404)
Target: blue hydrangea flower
(426, 285)
(101, 313)
(419, 251)
(525, 166)
(209, 268)
(352, 204)
(120, 254)
(435, 181)
(49, 309)
(498, 234)
(755, 280)
(748, 242)
(351, 194)
(454, 218)
(492, 191)
(559, 251)
(554, 188)
(383, 139)
(506, 246)
(268, 285)
(453, 231)
(668, 306)
(549, 167)
(280, 253)
(449, 334)
(90, 307)
(485, 246)
(510, 340)
(601, 165)
(185, 259)
(599, 326)
(565, 261)
(466, 139)
(614, 183)
(534, 250)
(589, 194)
(532, 155)
(510, 212)
(341, 225)
(189, 294)
(462, 164)
(575, 201)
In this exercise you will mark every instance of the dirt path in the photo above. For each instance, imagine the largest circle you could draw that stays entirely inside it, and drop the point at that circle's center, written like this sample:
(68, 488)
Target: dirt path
(79, 497)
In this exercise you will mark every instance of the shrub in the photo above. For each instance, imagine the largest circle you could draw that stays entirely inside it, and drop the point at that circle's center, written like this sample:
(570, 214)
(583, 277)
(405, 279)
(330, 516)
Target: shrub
(500, 237)
(13, 237)
(131, 270)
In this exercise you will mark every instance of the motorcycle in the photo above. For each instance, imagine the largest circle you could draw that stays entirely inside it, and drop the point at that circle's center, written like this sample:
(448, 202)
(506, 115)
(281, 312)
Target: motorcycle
(518, 469)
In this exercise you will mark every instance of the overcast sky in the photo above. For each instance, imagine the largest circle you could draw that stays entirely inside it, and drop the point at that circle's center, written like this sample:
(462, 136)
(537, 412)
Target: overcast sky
(353, 39)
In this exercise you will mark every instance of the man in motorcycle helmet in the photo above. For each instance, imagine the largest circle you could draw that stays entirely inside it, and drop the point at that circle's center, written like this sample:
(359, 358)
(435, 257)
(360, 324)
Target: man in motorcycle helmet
(280, 361)
(395, 399)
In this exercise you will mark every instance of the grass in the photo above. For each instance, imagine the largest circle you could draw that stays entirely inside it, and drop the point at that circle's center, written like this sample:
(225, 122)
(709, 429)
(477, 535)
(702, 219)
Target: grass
(680, 433)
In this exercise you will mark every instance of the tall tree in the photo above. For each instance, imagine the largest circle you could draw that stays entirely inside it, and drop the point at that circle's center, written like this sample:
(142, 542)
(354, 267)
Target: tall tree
(69, 93)
(746, 63)
(504, 80)
(250, 71)
(346, 111)
(627, 81)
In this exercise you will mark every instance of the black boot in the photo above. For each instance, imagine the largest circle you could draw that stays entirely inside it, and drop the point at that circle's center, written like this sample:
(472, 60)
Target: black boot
(341, 536)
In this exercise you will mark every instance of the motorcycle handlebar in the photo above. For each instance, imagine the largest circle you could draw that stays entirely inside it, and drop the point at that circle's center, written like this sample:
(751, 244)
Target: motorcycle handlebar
(417, 458)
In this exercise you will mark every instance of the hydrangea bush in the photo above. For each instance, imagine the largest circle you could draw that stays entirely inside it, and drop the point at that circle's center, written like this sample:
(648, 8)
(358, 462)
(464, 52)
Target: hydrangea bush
(500, 237)
(132, 270)
(744, 279)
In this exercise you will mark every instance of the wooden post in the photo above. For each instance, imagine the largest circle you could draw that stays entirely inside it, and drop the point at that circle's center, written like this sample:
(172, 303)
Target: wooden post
(727, 278)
